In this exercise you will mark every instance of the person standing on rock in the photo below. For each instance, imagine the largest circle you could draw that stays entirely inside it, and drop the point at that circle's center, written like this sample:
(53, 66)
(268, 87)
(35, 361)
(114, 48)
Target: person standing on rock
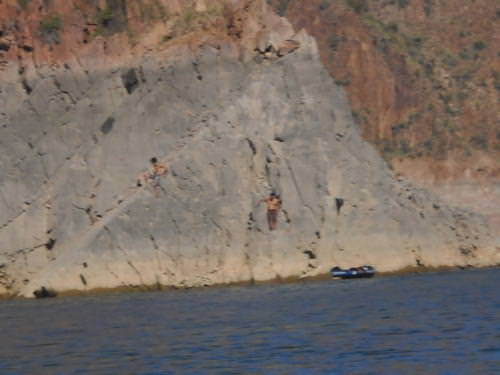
(153, 177)
(273, 203)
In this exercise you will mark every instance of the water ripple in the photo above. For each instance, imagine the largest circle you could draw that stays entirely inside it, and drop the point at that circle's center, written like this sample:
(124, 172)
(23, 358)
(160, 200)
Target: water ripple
(390, 325)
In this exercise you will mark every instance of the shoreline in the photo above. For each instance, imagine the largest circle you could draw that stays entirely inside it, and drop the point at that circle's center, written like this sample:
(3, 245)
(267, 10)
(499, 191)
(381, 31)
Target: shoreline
(288, 280)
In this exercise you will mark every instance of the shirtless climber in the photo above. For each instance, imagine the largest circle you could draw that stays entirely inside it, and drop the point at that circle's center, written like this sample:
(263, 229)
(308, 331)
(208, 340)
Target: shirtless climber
(273, 203)
(153, 177)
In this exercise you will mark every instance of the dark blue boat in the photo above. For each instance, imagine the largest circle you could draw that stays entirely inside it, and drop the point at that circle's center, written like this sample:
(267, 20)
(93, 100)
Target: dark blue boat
(353, 273)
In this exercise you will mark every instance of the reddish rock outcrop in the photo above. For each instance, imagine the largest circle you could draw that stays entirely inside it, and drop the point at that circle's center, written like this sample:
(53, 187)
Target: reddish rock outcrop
(98, 33)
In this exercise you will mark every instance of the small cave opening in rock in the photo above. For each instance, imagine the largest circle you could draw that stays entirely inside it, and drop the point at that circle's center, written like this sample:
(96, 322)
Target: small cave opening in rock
(107, 125)
(130, 81)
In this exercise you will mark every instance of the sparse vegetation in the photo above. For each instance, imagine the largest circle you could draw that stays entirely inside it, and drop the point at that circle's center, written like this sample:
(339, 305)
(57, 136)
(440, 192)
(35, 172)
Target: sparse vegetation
(496, 80)
(466, 76)
(398, 127)
(359, 6)
(479, 45)
(442, 72)
(389, 37)
(429, 68)
(403, 3)
(428, 7)
(112, 18)
(450, 110)
(418, 41)
(382, 44)
(333, 42)
(428, 144)
(343, 82)
(392, 27)
(191, 20)
(188, 17)
(23, 4)
(405, 125)
(396, 149)
(445, 98)
(151, 11)
(450, 60)
(404, 147)
(324, 4)
(282, 6)
(49, 28)
(104, 17)
(464, 54)
(479, 141)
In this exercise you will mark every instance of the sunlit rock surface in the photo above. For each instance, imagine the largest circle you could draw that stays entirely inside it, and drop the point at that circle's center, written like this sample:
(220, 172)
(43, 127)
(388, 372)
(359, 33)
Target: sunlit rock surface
(232, 124)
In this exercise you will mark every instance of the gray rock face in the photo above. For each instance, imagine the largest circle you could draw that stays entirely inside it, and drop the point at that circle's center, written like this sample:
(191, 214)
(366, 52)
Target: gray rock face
(72, 146)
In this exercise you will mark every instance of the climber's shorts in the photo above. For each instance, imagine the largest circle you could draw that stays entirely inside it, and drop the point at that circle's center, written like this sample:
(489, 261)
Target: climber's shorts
(155, 180)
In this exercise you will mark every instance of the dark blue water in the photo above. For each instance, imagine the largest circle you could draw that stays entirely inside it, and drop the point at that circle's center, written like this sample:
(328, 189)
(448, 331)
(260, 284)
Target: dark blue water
(440, 323)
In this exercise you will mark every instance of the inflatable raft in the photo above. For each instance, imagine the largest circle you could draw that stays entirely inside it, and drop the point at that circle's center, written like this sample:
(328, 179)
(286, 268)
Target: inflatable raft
(353, 273)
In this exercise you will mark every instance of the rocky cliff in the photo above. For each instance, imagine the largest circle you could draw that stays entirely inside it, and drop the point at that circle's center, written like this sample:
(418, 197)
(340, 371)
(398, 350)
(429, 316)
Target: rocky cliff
(235, 110)
(423, 77)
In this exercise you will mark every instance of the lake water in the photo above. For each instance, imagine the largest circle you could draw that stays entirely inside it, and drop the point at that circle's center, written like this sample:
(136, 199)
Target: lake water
(434, 323)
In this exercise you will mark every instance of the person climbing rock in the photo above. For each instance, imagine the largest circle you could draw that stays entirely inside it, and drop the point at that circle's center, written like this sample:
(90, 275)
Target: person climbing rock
(153, 177)
(273, 203)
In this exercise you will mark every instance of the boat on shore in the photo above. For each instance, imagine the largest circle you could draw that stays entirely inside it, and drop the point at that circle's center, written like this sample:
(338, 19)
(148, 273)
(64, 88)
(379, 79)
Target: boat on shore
(353, 273)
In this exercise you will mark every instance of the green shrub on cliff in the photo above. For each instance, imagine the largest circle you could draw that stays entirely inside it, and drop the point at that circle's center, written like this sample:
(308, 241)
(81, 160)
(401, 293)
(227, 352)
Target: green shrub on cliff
(479, 141)
(112, 18)
(479, 45)
(428, 7)
(104, 17)
(359, 6)
(23, 3)
(49, 28)
(324, 4)
(403, 3)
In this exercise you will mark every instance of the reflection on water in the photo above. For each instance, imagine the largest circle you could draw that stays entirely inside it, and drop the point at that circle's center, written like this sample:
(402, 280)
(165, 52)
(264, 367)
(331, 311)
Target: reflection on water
(442, 323)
